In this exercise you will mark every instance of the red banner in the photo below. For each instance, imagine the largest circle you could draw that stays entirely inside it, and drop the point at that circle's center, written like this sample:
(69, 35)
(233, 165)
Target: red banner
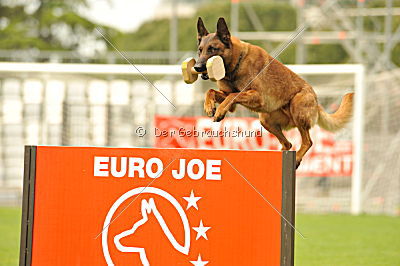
(329, 156)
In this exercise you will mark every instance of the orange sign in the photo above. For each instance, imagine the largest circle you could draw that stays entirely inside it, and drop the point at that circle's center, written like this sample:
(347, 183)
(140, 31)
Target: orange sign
(138, 206)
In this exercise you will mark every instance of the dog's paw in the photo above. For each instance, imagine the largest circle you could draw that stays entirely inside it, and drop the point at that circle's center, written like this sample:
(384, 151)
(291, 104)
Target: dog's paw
(286, 147)
(298, 163)
(210, 111)
(219, 116)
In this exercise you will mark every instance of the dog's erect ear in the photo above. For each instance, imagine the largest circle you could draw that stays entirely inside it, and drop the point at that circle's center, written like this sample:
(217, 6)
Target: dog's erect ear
(201, 29)
(223, 32)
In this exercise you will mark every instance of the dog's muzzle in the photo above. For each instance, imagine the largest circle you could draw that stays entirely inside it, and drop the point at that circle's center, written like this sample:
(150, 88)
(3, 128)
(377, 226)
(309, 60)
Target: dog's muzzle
(204, 76)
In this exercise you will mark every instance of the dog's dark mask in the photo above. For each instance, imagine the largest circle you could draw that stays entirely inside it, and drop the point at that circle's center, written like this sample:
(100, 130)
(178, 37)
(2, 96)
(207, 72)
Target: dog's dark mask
(211, 44)
(204, 76)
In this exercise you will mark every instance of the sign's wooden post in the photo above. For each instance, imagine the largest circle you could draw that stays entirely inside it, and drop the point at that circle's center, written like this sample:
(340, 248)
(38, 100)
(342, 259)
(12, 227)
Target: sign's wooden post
(140, 206)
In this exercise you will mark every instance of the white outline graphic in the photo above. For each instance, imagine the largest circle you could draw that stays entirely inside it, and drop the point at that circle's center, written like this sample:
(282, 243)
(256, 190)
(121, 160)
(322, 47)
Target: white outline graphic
(147, 207)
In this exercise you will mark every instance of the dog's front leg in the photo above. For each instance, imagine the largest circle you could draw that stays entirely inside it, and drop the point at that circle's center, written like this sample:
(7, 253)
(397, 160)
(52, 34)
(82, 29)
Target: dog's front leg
(212, 97)
(249, 98)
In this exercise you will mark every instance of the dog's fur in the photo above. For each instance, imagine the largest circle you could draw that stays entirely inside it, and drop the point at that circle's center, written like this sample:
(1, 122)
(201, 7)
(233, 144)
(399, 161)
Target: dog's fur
(282, 99)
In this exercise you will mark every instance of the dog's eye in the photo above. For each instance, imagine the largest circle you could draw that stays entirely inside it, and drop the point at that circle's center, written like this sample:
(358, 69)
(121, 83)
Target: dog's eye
(200, 50)
(212, 49)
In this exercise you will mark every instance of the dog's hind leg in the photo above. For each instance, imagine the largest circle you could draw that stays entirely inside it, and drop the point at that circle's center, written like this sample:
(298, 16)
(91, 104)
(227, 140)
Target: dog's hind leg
(212, 97)
(304, 112)
(306, 144)
(275, 129)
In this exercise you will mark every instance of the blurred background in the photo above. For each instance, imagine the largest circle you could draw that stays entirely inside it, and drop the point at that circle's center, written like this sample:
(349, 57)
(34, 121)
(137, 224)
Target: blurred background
(63, 83)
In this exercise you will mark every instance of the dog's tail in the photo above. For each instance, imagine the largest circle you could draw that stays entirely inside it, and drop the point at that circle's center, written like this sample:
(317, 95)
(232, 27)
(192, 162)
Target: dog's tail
(337, 120)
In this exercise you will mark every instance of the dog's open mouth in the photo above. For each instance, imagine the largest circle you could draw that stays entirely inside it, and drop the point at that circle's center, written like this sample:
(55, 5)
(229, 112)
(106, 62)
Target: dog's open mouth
(204, 76)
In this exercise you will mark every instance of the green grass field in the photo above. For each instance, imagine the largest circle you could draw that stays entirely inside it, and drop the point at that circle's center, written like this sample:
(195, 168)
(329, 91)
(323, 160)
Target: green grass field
(330, 239)
(10, 226)
(348, 240)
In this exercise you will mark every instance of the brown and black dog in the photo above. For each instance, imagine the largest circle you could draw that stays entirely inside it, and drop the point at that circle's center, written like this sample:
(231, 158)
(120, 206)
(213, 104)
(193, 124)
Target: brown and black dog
(282, 99)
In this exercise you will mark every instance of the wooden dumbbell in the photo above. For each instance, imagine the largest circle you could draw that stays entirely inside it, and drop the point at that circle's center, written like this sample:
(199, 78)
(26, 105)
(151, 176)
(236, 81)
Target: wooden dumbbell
(215, 69)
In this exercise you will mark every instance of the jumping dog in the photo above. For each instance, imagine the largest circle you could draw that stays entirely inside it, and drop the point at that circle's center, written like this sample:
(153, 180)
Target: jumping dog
(256, 80)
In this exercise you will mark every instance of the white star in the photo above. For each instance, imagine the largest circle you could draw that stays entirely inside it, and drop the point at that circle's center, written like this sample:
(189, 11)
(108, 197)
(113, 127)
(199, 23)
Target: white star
(192, 200)
(199, 261)
(201, 230)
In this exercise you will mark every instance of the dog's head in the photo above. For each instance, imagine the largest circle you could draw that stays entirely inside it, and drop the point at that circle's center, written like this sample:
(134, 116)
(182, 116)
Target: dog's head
(211, 44)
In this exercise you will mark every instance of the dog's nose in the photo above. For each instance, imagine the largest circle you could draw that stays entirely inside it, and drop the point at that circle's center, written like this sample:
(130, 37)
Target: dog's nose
(200, 68)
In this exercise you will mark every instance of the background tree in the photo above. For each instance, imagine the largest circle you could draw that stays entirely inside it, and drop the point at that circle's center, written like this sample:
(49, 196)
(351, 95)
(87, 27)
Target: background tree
(49, 25)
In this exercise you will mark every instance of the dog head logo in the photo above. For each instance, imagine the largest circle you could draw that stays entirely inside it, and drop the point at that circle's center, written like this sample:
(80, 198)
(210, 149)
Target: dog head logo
(147, 207)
